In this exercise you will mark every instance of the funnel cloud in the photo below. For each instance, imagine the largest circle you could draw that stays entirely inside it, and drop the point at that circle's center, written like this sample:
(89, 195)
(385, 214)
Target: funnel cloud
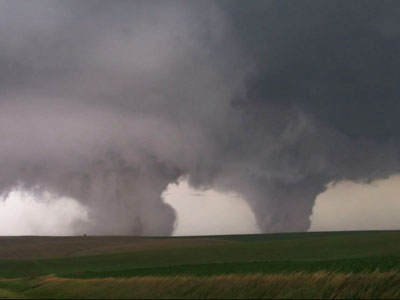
(109, 102)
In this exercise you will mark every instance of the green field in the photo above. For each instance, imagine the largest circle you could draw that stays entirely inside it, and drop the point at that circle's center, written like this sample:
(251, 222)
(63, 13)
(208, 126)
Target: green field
(234, 266)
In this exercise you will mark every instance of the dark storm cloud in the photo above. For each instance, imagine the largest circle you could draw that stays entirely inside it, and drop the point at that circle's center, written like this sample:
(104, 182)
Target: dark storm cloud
(337, 59)
(109, 102)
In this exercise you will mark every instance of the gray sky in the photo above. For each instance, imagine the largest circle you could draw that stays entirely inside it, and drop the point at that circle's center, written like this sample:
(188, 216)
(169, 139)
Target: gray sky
(358, 206)
(343, 206)
(202, 212)
(21, 213)
(108, 103)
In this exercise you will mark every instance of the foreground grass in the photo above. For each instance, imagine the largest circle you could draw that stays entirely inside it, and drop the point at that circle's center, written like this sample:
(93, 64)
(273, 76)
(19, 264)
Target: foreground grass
(345, 252)
(295, 265)
(358, 265)
(325, 285)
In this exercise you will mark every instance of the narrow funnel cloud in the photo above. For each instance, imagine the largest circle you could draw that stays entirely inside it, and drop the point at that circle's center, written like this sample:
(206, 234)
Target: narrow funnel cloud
(109, 102)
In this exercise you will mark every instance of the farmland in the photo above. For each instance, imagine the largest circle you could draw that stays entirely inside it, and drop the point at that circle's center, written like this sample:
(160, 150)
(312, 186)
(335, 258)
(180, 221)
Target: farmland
(234, 266)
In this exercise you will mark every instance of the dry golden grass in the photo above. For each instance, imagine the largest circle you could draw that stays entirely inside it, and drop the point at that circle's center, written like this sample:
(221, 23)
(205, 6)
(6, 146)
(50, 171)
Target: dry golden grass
(375, 285)
(6, 294)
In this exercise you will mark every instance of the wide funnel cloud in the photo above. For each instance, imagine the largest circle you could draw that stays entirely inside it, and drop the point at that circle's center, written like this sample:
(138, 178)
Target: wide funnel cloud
(108, 102)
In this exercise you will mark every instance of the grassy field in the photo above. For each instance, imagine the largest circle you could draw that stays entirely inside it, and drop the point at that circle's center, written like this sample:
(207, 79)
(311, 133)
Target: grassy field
(318, 285)
(326, 265)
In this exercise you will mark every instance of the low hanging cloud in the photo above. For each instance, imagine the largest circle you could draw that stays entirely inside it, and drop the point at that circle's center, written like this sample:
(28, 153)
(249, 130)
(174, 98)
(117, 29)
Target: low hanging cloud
(108, 103)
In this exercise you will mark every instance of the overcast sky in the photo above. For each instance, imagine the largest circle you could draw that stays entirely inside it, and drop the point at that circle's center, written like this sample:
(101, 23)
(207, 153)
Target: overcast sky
(344, 206)
(108, 103)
